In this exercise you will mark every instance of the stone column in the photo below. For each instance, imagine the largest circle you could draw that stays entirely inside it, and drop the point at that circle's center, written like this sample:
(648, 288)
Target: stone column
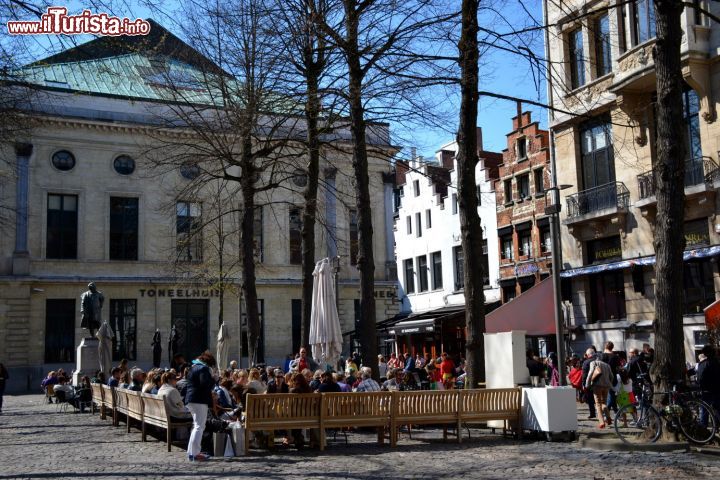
(21, 255)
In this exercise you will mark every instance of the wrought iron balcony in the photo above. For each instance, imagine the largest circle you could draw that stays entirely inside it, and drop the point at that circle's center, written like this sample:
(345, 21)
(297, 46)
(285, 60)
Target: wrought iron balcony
(613, 195)
(697, 171)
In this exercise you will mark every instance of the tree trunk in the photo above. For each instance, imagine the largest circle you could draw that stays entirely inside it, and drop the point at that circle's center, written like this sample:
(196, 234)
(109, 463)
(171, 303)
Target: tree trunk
(247, 253)
(312, 111)
(365, 261)
(669, 178)
(470, 229)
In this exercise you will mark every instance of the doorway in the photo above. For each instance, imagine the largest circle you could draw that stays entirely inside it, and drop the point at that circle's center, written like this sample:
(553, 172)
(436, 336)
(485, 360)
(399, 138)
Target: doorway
(190, 319)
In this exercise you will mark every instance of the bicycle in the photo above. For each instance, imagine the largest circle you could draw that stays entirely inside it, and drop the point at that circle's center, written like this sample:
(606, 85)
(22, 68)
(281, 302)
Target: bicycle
(691, 416)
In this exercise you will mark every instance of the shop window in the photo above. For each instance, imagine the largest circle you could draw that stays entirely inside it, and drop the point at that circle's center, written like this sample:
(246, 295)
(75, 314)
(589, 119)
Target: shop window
(604, 250)
(123, 228)
(607, 296)
(62, 224)
(189, 233)
(123, 321)
(422, 271)
(698, 286)
(696, 233)
(437, 279)
(295, 236)
(409, 276)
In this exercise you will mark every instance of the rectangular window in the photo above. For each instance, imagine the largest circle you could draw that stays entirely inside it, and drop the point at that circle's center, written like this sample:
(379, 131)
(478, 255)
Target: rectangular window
(295, 236)
(696, 233)
(523, 185)
(485, 263)
(408, 222)
(604, 250)
(545, 240)
(607, 296)
(644, 20)
(506, 247)
(509, 293)
(123, 228)
(524, 243)
(507, 188)
(416, 187)
(354, 245)
(260, 350)
(691, 112)
(123, 321)
(428, 218)
(422, 271)
(437, 280)
(418, 226)
(598, 165)
(697, 285)
(603, 55)
(258, 246)
(459, 268)
(454, 204)
(62, 224)
(577, 62)
(522, 148)
(60, 331)
(189, 234)
(409, 276)
(296, 314)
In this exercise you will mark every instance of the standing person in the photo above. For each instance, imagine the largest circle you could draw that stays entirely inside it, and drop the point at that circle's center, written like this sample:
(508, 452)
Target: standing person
(198, 399)
(708, 377)
(304, 361)
(419, 361)
(409, 362)
(4, 377)
(382, 367)
(614, 362)
(600, 380)
(447, 369)
(590, 356)
(393, 362)
(636, 367)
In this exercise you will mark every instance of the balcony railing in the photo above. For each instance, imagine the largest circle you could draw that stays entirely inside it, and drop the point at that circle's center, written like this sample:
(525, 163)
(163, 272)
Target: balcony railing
(697, 171)
(610, 195)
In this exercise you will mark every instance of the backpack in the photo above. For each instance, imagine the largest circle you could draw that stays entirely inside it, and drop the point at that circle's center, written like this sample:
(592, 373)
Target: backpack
(576, 377)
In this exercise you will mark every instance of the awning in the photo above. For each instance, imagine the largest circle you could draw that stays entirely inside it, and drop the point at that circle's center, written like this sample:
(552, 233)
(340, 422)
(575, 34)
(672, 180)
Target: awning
(532, 311)
(409, 327)
(642, 261)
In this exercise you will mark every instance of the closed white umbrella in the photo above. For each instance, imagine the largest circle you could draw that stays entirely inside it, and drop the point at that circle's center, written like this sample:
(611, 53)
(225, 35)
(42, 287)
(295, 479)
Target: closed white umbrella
(105, 335)
(223, 347)
(325, 336)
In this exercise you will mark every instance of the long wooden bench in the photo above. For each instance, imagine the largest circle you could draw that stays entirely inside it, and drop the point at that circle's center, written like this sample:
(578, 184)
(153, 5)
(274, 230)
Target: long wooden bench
(366, 409)
(108, 403)
(135, 408)
(97, 398)
(481, 406)
(155, 414)
(281, 411)
(121, 406)
(423, 407)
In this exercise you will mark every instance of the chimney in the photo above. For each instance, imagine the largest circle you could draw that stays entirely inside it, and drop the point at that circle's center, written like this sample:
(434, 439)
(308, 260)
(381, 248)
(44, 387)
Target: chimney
(413, 155)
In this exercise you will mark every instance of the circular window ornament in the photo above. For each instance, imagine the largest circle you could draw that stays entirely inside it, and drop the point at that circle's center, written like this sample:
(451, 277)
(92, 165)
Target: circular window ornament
(189, 171)
(63, 160)
(300, 178)
(124, 165)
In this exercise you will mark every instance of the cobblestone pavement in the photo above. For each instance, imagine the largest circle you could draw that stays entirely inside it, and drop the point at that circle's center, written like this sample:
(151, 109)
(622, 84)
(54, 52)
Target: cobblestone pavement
(37, 442)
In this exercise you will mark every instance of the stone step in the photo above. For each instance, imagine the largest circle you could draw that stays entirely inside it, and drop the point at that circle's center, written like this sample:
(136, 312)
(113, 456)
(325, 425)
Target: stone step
(17, 314)
(18, 301)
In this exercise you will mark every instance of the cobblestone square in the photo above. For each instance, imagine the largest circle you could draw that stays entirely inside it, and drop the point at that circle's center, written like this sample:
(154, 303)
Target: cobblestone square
(39, 442)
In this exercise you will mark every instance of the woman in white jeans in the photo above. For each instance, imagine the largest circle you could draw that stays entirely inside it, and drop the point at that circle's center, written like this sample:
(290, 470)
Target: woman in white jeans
(198, 399)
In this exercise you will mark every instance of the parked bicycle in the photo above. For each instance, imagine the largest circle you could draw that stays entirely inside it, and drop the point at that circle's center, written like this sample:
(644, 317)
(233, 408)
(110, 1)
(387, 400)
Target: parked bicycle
(641, 422)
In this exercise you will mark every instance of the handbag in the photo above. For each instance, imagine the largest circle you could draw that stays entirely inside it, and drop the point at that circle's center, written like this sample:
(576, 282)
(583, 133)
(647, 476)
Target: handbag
(215, 424)
(595, 375)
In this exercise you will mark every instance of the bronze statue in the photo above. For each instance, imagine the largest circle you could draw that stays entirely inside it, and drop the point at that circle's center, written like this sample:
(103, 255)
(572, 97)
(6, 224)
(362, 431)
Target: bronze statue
(91, 303)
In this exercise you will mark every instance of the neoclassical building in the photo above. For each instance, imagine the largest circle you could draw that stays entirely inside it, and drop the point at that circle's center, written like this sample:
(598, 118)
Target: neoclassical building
(603, 87)
(87, 206)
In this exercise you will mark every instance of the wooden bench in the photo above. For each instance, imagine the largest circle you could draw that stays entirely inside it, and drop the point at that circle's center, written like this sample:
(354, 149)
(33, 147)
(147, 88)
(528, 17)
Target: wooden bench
(360, 409)
(108, 403)
(480, 406)
(423, 407)
(281, 411)
(97, 398)
(155, 414)
(135, 408)
(121, 406)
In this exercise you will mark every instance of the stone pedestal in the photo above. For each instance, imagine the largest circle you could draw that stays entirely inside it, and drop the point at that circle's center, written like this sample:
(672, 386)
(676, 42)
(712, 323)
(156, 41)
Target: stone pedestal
(88, 361)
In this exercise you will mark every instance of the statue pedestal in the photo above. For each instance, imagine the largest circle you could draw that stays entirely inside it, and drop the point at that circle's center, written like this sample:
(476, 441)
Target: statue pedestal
(88, 361)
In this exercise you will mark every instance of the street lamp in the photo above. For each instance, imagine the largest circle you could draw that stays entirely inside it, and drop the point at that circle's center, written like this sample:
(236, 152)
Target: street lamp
(553, 211)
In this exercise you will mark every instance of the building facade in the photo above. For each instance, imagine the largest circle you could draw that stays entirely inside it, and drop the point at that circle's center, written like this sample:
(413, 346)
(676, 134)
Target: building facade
(524, 239)
(428, 249)
(603, 72)
(88, 207)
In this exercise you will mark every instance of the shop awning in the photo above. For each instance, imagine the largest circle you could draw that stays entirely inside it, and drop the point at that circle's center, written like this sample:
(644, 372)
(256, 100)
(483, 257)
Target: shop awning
(650, 260)
(408, 327)
(532, 311)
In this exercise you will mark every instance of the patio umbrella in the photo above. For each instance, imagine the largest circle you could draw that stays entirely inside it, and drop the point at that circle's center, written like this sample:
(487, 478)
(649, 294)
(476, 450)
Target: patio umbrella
(105, 335)
(223, 347)
(325, 336)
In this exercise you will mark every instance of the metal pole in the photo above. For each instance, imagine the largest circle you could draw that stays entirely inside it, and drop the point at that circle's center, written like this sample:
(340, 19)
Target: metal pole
(556, 266)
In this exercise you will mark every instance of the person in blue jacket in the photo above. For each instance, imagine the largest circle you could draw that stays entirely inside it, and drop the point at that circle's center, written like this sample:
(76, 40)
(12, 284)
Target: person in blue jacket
(198, 399)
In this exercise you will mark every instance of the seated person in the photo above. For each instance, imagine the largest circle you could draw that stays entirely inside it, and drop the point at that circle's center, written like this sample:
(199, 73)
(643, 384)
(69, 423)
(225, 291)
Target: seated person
(125, 381)
(222, 390)
(137, 377)
(254, 381)
(394, 381)
(182, 383)
(82, 395)
(150, 379)
(340, 380)
(68, 392)
(328, 384)
(51, 379)
(313, 379)
(278, 384)
(171, 396)
(115, 375)
(367, 384)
